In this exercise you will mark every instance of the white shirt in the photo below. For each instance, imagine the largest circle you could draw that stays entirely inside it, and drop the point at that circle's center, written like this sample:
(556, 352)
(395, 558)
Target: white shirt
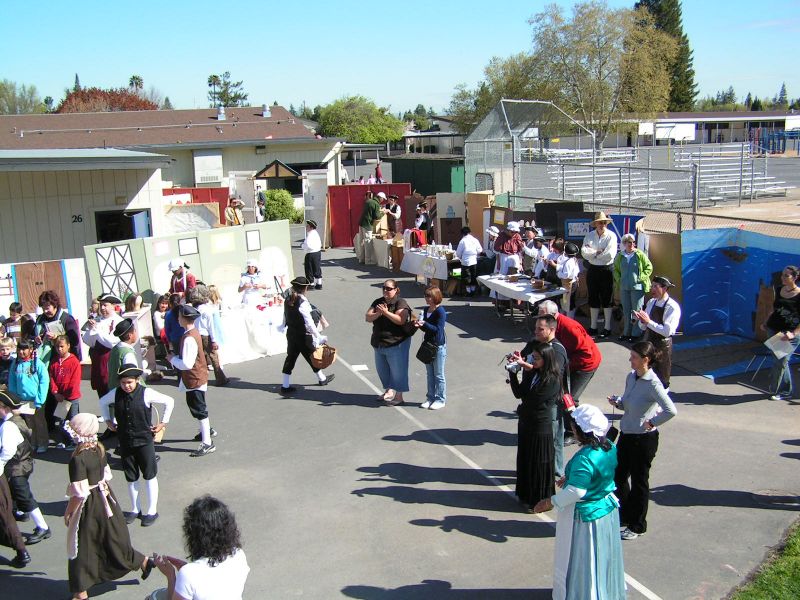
(10, 439)
(225, 581)
(608, 246)
(103, 332)
(672, 317)
(312, 243)
(158, 322)
(567, 267)
(537, 254)
(468, 249)
(150, 397)
(305, 310)
(189, 352)
(253, 295)
(205, 322)
(508, 261)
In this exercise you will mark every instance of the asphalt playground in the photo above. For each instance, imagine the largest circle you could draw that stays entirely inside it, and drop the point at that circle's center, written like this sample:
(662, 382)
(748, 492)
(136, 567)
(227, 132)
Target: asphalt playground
(340, 497)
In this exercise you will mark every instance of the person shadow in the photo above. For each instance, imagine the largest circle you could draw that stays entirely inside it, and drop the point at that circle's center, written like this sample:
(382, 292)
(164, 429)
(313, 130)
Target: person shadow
(683, 495)
(441, 590)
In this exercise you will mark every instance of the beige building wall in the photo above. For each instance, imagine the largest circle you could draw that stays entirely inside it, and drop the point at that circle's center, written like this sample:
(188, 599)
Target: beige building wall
(50, 215)
(181, 173)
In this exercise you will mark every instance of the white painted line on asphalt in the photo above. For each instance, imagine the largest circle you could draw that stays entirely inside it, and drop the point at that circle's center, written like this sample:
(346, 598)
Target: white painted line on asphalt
(360, 368)
(639, 587)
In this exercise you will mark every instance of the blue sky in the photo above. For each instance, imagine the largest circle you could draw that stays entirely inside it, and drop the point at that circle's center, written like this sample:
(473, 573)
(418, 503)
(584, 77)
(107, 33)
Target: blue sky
(398, 54)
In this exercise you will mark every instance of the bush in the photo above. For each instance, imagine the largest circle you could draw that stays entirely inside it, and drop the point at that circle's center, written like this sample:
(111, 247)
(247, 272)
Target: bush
(298, 216)
(279, 205)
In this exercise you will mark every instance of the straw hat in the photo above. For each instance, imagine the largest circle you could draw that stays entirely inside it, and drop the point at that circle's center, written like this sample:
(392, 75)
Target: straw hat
(600, 217)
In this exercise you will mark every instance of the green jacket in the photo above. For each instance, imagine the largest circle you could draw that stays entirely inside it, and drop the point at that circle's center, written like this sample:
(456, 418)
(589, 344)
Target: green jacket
(645, 269)
(372, 212)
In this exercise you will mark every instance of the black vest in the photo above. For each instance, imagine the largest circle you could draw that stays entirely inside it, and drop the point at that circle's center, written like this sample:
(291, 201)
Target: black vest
(21, 464)
(295, 324)
(133, 417)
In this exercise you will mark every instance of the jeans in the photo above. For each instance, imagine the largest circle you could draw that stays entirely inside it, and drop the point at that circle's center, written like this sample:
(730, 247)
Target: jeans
(631, 300)
(437, 387)
(780, 376)
(558, 441)
(392, 366)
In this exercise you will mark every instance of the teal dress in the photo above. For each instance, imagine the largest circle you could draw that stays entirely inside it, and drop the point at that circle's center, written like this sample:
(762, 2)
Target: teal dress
(588, 561)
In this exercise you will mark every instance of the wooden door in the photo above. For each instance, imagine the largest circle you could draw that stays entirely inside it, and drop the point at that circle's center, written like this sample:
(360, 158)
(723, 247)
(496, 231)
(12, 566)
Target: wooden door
(34, 278)
(451, 231)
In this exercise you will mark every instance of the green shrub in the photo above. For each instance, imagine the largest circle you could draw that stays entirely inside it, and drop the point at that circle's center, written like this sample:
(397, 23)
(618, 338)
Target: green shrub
(298, 216)
(279, 205)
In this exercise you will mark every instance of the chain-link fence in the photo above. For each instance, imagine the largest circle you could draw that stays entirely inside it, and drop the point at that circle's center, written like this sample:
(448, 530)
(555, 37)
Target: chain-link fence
(664, 220)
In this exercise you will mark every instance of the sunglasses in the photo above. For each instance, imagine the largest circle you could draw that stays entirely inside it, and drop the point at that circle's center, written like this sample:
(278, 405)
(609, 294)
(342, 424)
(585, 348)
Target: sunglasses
(388, 289)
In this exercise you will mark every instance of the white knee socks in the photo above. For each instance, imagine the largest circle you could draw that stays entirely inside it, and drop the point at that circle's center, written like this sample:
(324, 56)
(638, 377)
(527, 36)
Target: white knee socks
(607, 314)
(133, 492)
(152, 495)
(287, 380)
(594, 313)
(321, 376)
(205, 431)
(38, 518)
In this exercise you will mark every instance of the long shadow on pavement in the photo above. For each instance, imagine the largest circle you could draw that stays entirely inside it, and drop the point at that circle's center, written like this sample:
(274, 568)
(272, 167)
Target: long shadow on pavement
(329, 397)
(490, 530)
(704, 398)
(457, 437)
(441, 590)
(414, 474)
(32, 584)
(683, 495)
(481, 500)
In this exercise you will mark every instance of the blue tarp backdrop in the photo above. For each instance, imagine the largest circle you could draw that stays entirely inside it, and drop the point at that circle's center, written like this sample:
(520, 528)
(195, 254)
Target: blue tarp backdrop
(722, 272)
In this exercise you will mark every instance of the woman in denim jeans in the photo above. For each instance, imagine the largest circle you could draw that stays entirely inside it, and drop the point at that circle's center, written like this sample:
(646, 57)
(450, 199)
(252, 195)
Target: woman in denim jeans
(784, 319)
(432, 323)
(391, 341)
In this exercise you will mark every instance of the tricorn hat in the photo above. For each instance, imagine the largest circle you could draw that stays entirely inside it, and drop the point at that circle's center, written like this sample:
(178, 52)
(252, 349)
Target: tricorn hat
(189, 312)
(129, 371)
(300, 282)
(111, 298)
(123, 327)
(663, 280)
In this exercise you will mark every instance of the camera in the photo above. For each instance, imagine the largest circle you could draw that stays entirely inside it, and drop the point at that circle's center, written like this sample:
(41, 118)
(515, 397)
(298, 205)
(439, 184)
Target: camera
(512, 367)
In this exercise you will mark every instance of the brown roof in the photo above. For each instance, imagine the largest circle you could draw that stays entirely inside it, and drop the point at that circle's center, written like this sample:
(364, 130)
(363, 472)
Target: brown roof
(148, 128)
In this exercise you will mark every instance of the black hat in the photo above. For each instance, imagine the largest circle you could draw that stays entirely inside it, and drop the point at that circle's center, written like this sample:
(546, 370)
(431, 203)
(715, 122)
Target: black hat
(300, 282)
(539, 238)
(10, 400)
(123, 327)
(129, 371)
(188, 311)
(571, 249)
(663, 280)
(312, 223)
(109, 298)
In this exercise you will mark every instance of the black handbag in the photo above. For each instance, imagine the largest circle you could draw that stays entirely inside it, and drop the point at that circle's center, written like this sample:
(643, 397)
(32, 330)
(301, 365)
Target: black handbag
(427, 352)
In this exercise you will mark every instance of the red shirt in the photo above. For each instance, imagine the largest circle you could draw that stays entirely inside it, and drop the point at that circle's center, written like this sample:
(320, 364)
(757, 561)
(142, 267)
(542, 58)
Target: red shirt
(65, 377)
(176, 285)
(583, 353)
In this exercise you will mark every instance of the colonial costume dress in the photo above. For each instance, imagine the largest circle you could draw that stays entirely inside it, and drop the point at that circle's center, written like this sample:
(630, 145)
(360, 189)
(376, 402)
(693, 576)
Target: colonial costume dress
(98, 544)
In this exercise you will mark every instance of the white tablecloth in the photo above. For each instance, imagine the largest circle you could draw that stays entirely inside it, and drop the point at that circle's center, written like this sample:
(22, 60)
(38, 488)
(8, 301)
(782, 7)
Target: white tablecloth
(380, 249)
(419, 263)
(249, 333)
(520, 290)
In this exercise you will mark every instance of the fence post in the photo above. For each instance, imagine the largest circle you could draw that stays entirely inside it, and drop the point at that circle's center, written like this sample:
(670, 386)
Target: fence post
(619, 195)
(741, 173)
(563, 183)
(695, 193)
(752, 174)
(680, 223)
(649, 166)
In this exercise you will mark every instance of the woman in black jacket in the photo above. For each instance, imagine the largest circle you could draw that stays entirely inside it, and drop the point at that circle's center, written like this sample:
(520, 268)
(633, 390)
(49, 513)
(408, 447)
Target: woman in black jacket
(539, 390)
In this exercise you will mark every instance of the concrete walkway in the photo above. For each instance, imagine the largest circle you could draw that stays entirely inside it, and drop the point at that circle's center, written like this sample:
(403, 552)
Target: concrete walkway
(337, 496)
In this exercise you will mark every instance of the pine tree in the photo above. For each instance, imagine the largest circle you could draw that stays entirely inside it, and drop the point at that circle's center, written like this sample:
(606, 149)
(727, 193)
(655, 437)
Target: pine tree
(748, 102)
(668, 17)
(77, 86)
(756, 104)
(167, 105)
(783, 99)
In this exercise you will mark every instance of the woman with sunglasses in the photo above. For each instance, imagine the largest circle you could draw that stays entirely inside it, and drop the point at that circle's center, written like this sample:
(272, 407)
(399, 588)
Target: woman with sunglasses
(391, 341)
(632, 271)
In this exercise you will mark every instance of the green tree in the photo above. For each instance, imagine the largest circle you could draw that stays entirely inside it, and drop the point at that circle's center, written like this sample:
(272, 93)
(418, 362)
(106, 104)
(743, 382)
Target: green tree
(225, 92)
(48, 103)
(748, 102)
(77, 86)
(669, 19)
(360, 121)
(279, 205)
(213, 82)
(136, 83)
(782, 100)
(583, 59)
(19, 99)
(292, 110)
(757, 105)
(167, 105)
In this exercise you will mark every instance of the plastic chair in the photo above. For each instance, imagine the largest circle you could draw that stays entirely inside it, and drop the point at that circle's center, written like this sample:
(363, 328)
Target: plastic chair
(764, 353)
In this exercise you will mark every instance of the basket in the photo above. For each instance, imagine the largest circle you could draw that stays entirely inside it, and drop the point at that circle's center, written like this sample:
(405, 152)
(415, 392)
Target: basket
(323, 356)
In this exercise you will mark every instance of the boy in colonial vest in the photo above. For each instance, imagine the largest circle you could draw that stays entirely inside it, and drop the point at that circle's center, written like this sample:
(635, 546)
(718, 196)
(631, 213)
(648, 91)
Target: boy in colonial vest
(132, 420)
(194, 377)
(124, 352)
(16, 462)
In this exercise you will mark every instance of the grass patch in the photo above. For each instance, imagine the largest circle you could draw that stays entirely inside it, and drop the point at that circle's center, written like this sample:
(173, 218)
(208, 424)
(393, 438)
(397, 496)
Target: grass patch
(779, 576)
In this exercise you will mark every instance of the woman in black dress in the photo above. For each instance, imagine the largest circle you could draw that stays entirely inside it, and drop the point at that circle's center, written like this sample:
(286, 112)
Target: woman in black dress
(98, 544)
(539, 390)
(784, 319)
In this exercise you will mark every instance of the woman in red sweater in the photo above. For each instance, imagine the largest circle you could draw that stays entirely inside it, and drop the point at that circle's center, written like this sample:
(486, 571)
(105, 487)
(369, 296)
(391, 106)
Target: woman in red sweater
(65, 381)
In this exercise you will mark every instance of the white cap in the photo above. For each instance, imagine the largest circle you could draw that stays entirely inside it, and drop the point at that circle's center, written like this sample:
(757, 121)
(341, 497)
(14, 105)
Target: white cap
(381, 195)
(591, 420)
(513, 226)
(251, 262)
(175, 264)
(493, 231)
